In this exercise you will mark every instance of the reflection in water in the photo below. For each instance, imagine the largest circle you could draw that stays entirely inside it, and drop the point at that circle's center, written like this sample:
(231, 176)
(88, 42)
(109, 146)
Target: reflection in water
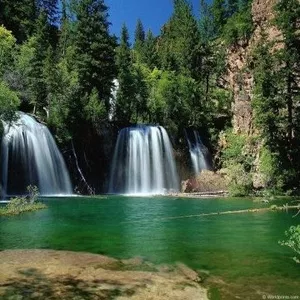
(240, 248)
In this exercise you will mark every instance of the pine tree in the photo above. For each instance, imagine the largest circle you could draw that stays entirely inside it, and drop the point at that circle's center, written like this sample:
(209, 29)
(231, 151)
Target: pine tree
(276, 101)
(50, 8)
(287, 20)
(218, 10)
(141, 93)
(66, 34)
(267, 105)
(206, 23)
(232, 7)
(94, 50)
(244, 4)
(139, 40)
(7, 47)
(41, 43)
(18, 16)
(179, 42)
(125, 94)
(50, 77)
(139, 34)
(150, 53)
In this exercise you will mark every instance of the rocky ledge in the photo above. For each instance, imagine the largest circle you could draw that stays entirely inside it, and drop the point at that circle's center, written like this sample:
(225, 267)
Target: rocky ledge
(49, 274)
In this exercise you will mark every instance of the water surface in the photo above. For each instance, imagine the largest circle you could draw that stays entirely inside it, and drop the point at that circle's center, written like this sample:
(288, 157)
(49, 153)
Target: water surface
(239, 252)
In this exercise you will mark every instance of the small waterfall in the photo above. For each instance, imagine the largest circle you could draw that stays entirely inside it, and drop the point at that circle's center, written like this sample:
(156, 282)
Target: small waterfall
(198, 152)
(29, 155)
(143, 162)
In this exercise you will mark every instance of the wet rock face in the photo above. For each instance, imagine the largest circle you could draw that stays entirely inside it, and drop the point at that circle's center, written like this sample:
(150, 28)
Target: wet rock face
(206, 181)
(239, 77)
(94, 149)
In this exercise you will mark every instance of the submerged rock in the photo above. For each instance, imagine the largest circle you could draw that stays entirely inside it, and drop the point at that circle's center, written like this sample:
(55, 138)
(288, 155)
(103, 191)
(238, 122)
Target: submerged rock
(49, 274)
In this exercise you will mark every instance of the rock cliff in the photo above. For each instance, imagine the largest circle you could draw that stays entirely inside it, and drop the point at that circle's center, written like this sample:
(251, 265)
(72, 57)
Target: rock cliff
(239, 77)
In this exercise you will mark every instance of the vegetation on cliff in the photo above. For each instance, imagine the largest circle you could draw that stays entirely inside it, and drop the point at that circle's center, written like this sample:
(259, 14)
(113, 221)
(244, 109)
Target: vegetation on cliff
(61, 64)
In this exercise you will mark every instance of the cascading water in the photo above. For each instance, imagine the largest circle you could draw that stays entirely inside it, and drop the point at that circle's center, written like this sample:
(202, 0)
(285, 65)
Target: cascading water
(29, 156)
(198, 152)
(143, 162)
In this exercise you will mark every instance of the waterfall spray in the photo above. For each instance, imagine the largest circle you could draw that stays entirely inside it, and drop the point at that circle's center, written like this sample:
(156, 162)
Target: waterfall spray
(143, 162)
(29, 156)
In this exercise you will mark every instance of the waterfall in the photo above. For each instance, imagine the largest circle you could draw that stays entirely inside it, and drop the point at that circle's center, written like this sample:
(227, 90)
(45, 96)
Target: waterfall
(143, 162)
(29, 156)
(198, 152)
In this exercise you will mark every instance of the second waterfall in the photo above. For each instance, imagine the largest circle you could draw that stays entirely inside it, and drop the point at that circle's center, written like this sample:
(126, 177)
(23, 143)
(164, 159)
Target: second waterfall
(143, 162)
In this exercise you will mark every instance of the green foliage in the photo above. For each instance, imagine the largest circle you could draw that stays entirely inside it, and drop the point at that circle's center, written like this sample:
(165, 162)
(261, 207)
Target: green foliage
(206, 23)
(160, 89)
(232, 7)
(19, 17)
(150, 55)
(23, 69)
(237, 158)
(33, 193)
(238, 28)
(175, 79)
(9, 102)
(235, 145)
(179, 42)
(293, 241)
(220, 100)
(63, 108)
(287, 19)
(66, 76)
(95, 109)
(172, 97)
(268, 168)
(125, 94)
(7, 44)
(240, 180)
(50, 8)
(276, 99)
(36, 80)
(139, 42)
(218, 12)
(18, 205)
(288, 57)
(266, 102)
(94, 49)
(141, 92)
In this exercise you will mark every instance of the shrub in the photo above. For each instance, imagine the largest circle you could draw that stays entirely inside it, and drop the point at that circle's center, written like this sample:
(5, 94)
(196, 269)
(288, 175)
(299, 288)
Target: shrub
(240, 181)
(293, 241)
(33, 193)
(238, 161)
(19, 205)
(9, 102)
(233, 149)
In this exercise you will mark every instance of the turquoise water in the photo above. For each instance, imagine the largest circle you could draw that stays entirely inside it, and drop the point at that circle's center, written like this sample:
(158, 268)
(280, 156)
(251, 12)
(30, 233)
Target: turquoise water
(239, 252)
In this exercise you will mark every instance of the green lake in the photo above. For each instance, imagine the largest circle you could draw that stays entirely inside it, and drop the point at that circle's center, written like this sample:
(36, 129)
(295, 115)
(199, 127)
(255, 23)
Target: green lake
(238, 255)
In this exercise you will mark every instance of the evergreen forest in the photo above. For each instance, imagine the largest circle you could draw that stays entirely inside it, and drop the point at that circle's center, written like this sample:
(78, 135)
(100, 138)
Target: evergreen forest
(60, 63)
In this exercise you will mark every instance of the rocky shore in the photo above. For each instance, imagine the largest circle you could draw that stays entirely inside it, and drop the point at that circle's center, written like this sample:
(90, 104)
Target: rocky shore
(50, 274)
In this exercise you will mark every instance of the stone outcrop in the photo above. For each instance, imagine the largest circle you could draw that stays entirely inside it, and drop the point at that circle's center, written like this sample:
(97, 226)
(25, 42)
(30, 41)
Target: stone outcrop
(49, 274)
(239, 78)
(206, 181)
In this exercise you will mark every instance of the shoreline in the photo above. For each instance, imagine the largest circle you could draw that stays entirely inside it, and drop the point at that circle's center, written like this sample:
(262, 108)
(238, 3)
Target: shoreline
(44, 274)
(214, 194)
